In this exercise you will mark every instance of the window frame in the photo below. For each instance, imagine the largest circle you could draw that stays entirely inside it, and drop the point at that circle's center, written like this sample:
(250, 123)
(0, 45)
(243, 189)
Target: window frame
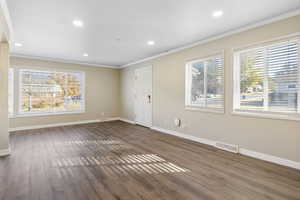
(19, 71)
(11, 74)
(188, 67)
(236, 110)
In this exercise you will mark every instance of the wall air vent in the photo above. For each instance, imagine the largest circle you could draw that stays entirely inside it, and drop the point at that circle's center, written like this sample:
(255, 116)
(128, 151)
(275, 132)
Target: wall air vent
(227, 147)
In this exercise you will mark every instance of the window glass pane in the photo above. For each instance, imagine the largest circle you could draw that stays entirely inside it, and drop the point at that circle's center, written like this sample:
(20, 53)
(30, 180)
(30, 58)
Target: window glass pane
(282, 64)
(252, 80)
(206, 87)
(269, 78)
(73, 96)
(197, 84)
(51, 92)
(214, 83)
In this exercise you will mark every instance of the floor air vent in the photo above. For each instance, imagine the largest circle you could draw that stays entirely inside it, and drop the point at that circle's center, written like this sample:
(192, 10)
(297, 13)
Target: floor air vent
(227, 147)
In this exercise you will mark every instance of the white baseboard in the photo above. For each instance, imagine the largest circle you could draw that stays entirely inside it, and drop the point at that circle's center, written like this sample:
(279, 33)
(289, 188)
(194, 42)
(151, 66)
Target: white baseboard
(189, 137)
(110, 119)
(250, 153)
(62, 124)
(127, 120)
(4, 152)
(270, 158)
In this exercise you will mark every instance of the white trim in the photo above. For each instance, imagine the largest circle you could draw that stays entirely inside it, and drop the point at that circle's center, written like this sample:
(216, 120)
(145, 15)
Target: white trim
(11, 90)
(270, 158)
(185, 136)
(267, 43)
(64, 61)
(236, 110)
(188, 82)
(218, 143)
(205, 109)
(267, 115)
(110, 119)
(63, 124)
(4, 152)
(243, 151)
(127, 121)
(40, 114)
(236, 81)
(266, 80)
(217, 37)
(204, 84)
(37, 68)
(19, 113)
(60, 124)
(298, 97)
(135, 94)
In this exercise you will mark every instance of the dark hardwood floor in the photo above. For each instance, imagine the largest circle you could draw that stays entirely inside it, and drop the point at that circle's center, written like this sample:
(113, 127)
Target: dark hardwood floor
(116, 160)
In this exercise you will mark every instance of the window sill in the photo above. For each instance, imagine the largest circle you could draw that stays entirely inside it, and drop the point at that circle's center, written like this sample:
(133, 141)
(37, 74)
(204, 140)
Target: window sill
(267, 115)
(46, 114)
(208, 110)
(11, 117)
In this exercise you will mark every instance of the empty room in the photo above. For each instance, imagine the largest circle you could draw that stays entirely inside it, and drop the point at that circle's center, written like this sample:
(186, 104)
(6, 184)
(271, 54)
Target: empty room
(149, 100)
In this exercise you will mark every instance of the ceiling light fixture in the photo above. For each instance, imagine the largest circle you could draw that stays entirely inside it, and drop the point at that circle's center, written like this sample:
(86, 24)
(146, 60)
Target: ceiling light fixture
(18, 44)
(85, 55)
(78, 23)
(151, 43)
(217, 13)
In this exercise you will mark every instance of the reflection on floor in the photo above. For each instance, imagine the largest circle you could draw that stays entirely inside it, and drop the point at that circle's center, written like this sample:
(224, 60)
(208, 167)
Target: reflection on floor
(147, 163)
(120, 165)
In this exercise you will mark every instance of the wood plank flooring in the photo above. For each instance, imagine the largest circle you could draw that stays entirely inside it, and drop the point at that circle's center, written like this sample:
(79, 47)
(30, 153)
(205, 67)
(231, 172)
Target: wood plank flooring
(116, 160)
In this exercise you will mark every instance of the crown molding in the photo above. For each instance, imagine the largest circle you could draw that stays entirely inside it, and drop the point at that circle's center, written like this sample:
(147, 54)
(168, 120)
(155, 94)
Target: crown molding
(217, 37)
(63, 61)
(168, 52)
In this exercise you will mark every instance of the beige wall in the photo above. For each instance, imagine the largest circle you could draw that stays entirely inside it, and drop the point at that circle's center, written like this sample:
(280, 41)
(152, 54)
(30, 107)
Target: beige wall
(275, 137)
(4, 63)
(102, 92)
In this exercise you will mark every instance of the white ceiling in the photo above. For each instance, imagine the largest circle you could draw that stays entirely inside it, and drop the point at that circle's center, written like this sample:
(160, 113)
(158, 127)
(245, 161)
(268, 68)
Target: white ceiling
(45, 28)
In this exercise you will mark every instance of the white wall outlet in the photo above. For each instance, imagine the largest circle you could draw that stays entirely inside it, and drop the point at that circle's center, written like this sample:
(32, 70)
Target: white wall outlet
(103, 114)
(177, 122)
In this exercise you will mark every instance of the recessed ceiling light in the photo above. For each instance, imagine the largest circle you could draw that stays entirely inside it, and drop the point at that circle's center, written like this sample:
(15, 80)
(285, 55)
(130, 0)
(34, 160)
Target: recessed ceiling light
(18, 44)
(78, 23)
(85, 55)
(217, 13)
(150, 43)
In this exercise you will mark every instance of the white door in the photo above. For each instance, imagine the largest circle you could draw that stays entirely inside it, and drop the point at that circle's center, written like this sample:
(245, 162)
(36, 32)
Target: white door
(143, 96)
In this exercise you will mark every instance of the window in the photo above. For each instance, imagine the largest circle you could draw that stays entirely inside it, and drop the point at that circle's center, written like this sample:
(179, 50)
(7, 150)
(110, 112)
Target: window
(50, 92)
(205, 84)
(267, 78)
(10, 92)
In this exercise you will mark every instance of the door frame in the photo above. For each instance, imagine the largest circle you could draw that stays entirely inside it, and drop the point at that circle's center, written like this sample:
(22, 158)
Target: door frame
(134, 93)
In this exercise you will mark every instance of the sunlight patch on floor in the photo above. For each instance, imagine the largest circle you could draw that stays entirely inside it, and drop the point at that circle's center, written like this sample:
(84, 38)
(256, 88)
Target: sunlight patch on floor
(137, 163)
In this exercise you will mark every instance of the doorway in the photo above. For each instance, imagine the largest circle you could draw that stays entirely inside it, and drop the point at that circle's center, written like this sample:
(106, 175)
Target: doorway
(143, 96)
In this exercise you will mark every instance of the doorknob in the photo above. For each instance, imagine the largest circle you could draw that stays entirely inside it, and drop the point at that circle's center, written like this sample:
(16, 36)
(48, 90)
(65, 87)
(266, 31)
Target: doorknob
(149, 98)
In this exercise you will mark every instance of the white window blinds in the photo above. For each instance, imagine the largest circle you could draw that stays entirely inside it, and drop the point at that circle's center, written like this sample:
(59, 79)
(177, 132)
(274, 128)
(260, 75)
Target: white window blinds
(268, 78)
(51, 92)
(205, 83)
